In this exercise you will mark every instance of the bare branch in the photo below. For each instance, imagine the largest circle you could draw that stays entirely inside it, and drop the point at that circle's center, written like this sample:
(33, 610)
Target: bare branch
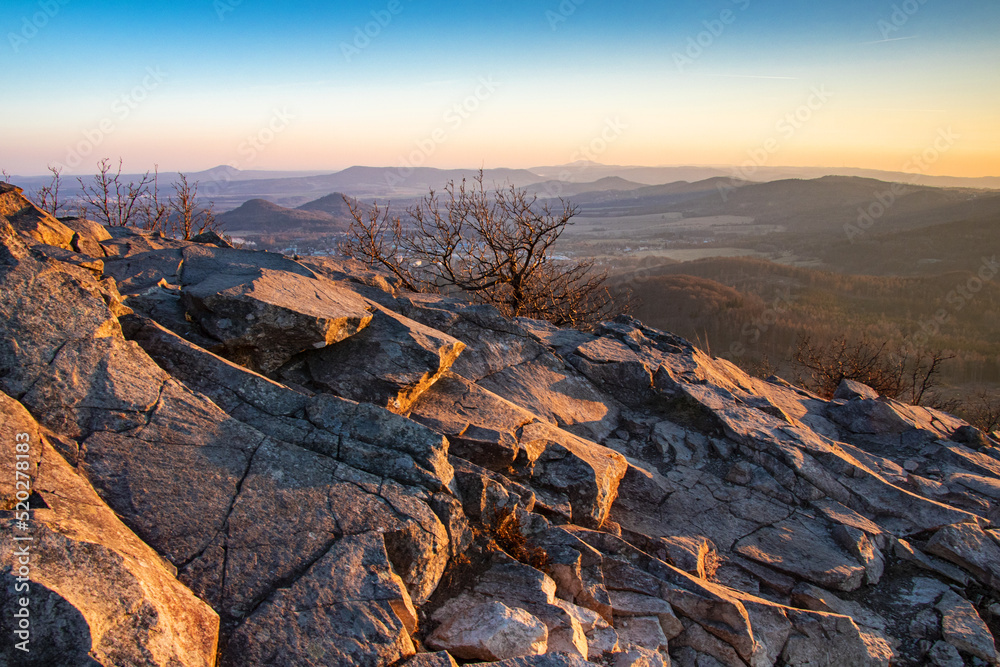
(496, 246)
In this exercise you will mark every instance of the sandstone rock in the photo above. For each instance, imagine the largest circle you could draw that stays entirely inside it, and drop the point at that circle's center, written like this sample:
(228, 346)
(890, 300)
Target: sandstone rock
(487, 494)
(627, 603)
(369, 436)
(491, 631)
(585, 472)
(391, 362)
(33, 295)
(963, 628)
(943, 654)
(338, 428)
(141, 272)
(602, 641)
(828, 639)
(211, 238)
(689, 553)
(87, 236)
(516, 584)
(548, 660)
(557, 394)
(127, 241)
(481, 426)
(20, 451)
(807, 596)
(695, 637)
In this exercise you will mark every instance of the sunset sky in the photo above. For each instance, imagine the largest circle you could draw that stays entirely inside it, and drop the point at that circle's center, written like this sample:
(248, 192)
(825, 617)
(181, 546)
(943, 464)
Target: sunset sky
(299, 85)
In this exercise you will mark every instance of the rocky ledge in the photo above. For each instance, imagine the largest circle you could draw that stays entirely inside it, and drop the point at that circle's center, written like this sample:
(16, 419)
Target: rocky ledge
(237, 458)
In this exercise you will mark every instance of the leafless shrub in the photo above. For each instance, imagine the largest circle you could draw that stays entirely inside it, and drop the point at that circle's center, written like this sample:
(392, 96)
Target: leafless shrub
(48, 196)
(188, 218)
(497, 247)
(897, 373)
(982, 409)
(115, 202)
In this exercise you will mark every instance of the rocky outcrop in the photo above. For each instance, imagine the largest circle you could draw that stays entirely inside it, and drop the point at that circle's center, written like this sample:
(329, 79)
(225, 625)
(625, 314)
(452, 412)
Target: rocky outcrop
(89, 587)
(297, 463)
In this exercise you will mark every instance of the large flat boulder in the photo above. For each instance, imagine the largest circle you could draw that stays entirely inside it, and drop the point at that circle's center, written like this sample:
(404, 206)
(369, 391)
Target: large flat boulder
(263, 319)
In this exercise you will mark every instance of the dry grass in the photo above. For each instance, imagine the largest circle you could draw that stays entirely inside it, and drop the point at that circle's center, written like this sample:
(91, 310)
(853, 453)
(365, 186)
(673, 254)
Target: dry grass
(503, 530)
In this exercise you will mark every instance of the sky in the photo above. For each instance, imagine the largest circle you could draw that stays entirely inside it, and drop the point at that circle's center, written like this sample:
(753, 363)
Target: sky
(900, 85)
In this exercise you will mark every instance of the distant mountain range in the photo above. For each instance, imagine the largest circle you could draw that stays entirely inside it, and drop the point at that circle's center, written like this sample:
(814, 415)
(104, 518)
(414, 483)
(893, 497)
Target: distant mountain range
(229, 187)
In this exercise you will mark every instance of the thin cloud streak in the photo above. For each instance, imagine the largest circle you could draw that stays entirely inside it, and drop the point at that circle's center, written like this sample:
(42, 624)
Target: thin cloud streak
(755, 76)
(891, 39)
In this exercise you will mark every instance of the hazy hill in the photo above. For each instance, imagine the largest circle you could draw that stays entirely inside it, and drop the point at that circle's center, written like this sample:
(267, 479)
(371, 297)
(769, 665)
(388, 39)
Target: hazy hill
(262, 216)
(332, 204)
(950, 246)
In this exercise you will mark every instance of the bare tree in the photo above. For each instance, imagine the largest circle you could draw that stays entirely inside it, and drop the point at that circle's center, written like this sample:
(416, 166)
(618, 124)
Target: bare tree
(6, 175)
(496, 246)
(153, 213)
(189, 218)
(48, 196)
(111, 199)
(982, 410)
(896, 373)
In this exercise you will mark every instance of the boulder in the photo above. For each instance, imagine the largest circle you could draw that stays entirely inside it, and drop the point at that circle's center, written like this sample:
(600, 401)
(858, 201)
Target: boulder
(642, 631)
(439, 659)
(491, 631)
(546, 387)
(87, 236)
(391, 362)
(585, 473)
(831, 640)
(31, 222)
(962, 627)
(640, 657)
(264, 318)
(481, 426)
(849, 390)
(33, 295)
(968, 546)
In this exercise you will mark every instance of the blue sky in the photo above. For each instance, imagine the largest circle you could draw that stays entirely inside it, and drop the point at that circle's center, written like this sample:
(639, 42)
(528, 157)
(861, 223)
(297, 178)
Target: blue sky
(299, 85)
